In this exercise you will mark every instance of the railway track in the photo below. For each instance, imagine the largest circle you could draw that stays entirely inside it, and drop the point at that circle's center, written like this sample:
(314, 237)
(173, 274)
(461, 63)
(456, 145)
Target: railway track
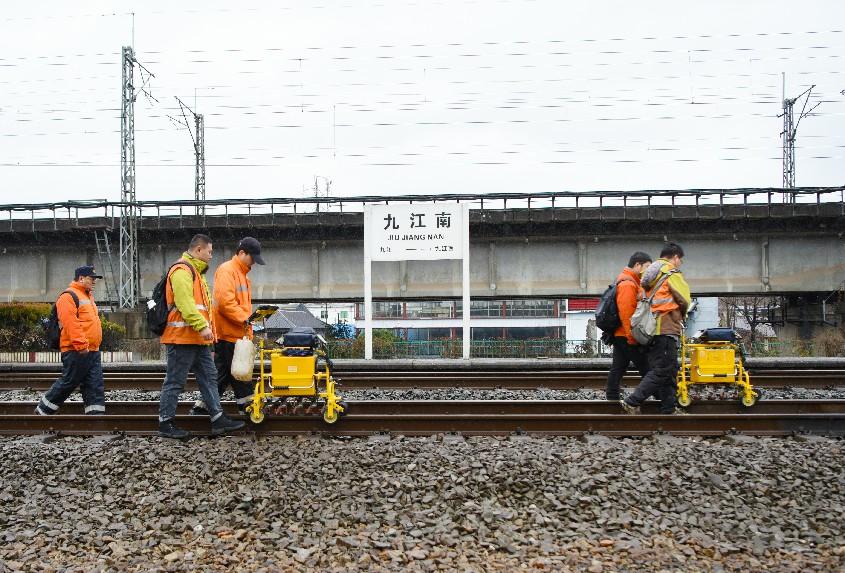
(483, 417)
(552, 379)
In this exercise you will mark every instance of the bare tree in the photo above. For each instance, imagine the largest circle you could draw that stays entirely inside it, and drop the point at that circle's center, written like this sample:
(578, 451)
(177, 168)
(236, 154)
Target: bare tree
(746, 314)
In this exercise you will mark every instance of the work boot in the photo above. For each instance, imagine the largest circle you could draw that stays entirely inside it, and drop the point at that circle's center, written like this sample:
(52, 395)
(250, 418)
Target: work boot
(629, 409)
(224, 425)
(169, 430)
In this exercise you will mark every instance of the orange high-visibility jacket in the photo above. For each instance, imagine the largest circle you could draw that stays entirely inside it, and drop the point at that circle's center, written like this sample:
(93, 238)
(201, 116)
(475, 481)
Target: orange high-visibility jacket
(177, 330)
(671, 300)
(84, 332)
(232, 300)
(627, 295)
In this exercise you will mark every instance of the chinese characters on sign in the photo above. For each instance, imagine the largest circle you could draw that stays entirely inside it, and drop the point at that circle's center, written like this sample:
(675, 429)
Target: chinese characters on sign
(416, 232)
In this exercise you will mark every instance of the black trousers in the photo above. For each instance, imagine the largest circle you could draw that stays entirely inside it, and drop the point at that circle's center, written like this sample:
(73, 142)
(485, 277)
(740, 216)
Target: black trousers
(661, 378)
(623, 355)
(84, 371)
(224, 351)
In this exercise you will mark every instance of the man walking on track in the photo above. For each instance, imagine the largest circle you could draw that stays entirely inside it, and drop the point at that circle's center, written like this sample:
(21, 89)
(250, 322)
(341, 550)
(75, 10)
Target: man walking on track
(670, 303)
(231, 309)
(79, 342)
(188, 337)
(625, 348)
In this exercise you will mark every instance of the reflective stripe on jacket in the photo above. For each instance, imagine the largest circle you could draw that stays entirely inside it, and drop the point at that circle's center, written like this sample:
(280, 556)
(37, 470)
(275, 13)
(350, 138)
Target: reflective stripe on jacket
(671, 300)
(83, 332)
(627, 294)
(232, 300)
(190, 309)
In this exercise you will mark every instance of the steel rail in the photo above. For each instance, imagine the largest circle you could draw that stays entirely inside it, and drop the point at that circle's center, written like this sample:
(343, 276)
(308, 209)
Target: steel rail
(151, 380)
(482, 417)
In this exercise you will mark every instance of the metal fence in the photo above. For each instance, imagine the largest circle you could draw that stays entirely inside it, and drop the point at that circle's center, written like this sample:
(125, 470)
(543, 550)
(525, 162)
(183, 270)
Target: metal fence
(56, 357)
(453, 348)
(549, 348)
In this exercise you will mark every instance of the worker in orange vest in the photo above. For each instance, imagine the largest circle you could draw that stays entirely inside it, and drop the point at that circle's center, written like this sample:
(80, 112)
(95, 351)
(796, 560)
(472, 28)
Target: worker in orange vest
(188, 337)
(671, 301)
(79, 343)
(625, 348)
(231, 309)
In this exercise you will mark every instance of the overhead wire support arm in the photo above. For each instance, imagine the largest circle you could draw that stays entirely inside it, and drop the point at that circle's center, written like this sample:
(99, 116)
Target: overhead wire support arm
(183, 107)
(198, 139)
(804, 112)
(789, 133)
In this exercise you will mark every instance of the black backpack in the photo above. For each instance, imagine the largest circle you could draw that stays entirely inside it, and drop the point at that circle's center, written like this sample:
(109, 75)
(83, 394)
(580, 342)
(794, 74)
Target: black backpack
(52, 328)
(607, 313)
(157, 309)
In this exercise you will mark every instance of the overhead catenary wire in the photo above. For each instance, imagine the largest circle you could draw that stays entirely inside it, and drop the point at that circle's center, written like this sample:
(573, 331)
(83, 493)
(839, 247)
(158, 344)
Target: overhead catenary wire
(472, 112)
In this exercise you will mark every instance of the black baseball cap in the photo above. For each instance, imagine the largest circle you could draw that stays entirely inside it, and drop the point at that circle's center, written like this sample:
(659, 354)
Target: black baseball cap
(251, 246)
(86, 271)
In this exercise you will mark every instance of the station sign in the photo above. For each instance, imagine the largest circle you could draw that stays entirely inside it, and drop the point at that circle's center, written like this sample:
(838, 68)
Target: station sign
(407, 232)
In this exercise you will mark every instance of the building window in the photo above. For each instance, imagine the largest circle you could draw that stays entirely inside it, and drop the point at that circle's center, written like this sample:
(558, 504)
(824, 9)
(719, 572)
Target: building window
(381, 309)
(530, 308)
(424, 334)
(480, 308)
(429, 309)
(487, 333)
(528, 333)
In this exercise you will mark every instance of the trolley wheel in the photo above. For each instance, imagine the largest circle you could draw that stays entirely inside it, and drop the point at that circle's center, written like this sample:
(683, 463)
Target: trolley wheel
(256, 417)
(748, 400)
(684, 401)
(344, 405)
(329, 417)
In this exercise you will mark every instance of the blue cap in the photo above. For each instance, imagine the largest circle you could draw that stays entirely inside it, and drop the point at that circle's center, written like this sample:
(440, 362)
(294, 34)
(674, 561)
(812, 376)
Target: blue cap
(252, 247)
(86, 271)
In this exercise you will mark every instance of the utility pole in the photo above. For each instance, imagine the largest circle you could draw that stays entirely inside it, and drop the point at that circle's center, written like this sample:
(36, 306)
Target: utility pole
(198, 139)
(129, 275)
(790, 130)
(199, 159)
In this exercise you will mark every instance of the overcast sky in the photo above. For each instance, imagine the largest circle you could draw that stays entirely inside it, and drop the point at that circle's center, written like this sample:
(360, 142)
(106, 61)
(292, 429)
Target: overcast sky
(396, 97)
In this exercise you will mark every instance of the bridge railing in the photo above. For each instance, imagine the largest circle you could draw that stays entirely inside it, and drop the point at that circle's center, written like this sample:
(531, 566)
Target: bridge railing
(102, 213)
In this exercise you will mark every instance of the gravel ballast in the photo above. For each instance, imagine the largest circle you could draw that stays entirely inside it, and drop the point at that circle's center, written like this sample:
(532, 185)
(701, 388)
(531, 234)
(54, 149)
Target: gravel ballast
(697, 393)
(422, 504)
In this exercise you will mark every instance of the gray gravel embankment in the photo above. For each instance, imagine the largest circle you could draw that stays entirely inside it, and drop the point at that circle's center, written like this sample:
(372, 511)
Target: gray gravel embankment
(297, 504)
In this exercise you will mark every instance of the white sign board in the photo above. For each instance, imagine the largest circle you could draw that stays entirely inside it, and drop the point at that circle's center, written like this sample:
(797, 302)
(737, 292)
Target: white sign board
(404, 232)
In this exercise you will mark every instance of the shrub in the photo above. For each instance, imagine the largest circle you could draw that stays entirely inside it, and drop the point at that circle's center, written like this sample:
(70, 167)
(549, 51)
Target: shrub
(22, 315)
(23, 329)
(830, 342)
(114, 336)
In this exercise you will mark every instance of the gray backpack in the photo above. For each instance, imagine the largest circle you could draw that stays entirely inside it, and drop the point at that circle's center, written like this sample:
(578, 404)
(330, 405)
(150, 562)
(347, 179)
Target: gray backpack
(644, 321)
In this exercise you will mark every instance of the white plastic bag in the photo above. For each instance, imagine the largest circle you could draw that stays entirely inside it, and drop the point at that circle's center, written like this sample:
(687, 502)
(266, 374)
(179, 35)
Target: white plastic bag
(243, 360)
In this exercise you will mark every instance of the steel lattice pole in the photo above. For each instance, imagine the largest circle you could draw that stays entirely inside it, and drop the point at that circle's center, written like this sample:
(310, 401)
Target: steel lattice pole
(129, 273)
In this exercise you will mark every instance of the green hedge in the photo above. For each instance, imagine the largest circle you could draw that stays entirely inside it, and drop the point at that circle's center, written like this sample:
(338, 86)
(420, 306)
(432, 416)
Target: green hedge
(23, 329)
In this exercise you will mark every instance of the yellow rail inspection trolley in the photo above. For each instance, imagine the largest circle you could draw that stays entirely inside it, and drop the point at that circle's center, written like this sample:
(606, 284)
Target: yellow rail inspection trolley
(713, 356)
(300, 380)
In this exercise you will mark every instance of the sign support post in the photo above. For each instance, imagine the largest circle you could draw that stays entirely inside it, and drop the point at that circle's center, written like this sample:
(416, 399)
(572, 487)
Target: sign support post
(368, 287)
(465, 280)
